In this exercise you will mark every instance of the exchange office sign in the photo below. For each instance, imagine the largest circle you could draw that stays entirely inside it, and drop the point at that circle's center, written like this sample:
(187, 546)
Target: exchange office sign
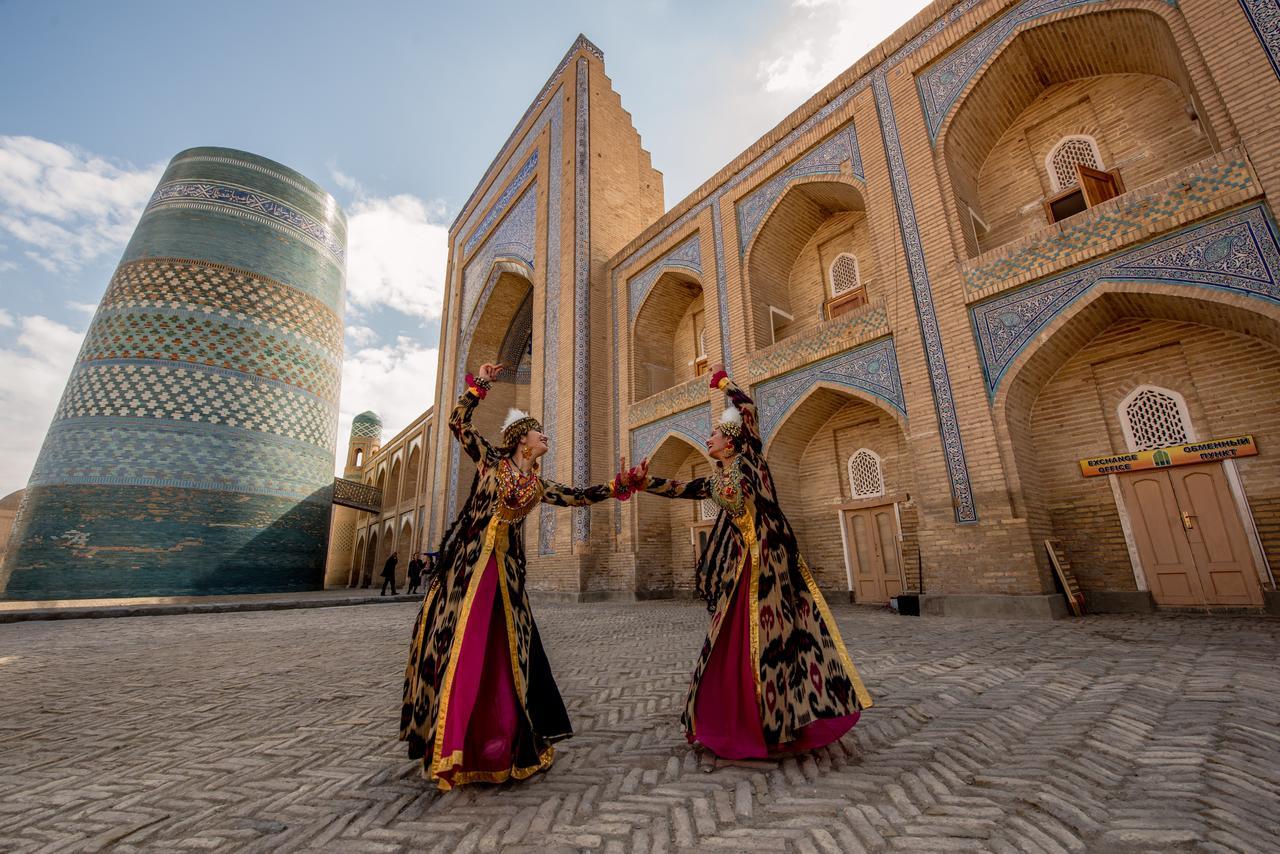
(1174, 455)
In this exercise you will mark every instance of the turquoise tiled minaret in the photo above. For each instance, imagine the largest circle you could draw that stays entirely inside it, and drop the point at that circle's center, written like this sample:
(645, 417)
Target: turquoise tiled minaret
(193, 448)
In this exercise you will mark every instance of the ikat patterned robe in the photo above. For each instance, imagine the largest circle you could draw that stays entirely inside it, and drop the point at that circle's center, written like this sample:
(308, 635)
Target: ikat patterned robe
(446, 606)
(803, 672)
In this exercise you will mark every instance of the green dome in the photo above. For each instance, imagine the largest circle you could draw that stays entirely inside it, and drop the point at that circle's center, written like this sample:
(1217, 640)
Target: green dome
(367, 424)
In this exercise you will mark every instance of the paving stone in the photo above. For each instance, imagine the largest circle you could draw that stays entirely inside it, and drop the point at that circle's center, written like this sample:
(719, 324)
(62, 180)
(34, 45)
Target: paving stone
(275, 731)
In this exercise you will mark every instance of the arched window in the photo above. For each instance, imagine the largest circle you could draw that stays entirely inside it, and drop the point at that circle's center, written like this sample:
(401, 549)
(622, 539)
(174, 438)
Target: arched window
(1153, 417)
(1066, 155)
(359, 460)
(866, 478)
(844, 275)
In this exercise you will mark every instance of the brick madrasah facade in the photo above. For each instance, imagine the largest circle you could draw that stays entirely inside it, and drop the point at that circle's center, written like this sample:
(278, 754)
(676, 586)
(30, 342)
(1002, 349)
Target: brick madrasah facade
(937, 314)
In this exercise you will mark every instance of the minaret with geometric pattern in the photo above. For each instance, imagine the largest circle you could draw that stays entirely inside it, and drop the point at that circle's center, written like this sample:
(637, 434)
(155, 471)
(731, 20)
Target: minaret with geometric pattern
(192, 451)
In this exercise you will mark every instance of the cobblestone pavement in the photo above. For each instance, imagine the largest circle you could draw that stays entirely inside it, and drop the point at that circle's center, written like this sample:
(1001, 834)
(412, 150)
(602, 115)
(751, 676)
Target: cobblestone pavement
(276, 731)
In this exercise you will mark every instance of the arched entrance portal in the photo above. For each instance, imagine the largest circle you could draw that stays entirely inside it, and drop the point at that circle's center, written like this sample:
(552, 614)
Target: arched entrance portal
(504, 333)
(672, 533)
(1135, 367)
(843, 474)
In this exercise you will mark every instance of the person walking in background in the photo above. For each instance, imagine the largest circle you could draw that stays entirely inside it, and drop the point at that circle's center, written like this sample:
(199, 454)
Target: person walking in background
(415, 572)
(389, 575)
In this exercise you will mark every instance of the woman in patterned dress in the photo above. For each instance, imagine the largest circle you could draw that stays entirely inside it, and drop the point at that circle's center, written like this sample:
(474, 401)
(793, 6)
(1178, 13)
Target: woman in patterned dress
(480, 704)
(774, 675)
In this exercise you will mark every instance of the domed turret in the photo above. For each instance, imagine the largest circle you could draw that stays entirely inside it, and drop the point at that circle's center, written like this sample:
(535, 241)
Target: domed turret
(366, 425)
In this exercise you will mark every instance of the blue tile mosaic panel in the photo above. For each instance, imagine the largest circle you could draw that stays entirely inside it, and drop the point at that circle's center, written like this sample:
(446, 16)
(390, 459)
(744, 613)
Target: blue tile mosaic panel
(1238, 253)
(872, 368)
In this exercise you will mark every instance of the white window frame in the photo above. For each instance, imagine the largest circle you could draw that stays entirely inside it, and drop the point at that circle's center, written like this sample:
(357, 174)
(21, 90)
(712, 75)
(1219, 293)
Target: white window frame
(1048, 159)
(1131, 443)
(831, 275)
(848, 472)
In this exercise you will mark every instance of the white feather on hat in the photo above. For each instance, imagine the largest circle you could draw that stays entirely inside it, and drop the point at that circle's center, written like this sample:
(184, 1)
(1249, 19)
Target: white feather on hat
(513, 415)
(731, 415)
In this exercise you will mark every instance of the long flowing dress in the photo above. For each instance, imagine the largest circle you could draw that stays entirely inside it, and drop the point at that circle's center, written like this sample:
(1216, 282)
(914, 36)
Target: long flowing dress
(480, 703)
(774, 675)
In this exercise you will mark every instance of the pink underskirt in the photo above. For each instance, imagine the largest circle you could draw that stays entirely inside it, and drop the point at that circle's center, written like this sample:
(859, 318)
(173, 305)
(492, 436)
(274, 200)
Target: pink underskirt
(725, 713)
(481, 718)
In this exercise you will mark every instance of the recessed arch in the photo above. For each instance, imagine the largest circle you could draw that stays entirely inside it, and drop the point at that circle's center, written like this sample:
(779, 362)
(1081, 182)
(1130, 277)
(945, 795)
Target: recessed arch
(786, 262)
(664, 334)
(1042, 477)
(809, 456)
(1027, 70)
(666, 541)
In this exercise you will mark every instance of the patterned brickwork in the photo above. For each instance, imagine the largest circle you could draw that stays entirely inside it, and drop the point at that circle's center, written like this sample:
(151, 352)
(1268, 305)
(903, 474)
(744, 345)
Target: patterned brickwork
(846, 331)
(241, 201)
(177, 335)
(504, 200)
(200, 287)
(872, 368)
(687, 256)
(694, 424)
(826, 159)
(163, 453)
(1217, 182)
(943, 82)
(200, 387)
(1237, 253)
(144, 389)
(1141, 734)
(675, 399)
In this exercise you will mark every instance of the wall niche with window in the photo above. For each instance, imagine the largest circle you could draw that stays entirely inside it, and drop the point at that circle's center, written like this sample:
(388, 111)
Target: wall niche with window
(1045, 134)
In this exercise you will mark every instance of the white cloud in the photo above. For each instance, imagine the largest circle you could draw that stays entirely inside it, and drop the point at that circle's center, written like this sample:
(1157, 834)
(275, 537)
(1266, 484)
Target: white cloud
(361, 336)
(6, 319)
(68, 206)
(397, 381)
(85, 307)
(398, 248)
(824, 37)
(32, 376)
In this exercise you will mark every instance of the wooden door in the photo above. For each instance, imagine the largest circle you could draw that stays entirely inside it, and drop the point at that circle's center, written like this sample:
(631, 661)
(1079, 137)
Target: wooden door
(871, 540)
(1189, 537)
(1098, 186)
(1216, 535)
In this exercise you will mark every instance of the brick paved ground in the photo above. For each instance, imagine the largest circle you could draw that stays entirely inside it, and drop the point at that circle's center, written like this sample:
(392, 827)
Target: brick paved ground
(276, 731)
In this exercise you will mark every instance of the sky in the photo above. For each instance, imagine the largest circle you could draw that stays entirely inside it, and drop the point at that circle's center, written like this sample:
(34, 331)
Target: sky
(396, 108)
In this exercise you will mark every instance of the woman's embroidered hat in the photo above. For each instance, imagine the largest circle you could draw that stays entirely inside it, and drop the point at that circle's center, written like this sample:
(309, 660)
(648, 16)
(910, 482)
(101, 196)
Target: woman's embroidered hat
(731, 422)
(517, 424)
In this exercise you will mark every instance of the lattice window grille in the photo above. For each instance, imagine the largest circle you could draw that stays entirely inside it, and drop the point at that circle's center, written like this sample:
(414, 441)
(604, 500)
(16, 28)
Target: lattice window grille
(844, 275)
(866, 478)
(1066, 155)
(708, 509)
(1155, 418)
(702, 342)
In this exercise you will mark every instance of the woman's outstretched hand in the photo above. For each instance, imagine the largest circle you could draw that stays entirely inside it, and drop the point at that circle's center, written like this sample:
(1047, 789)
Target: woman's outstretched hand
(490, 372)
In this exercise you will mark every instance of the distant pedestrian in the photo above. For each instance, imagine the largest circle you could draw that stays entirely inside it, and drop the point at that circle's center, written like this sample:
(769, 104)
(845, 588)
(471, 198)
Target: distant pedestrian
(415, 573)
(389, 575)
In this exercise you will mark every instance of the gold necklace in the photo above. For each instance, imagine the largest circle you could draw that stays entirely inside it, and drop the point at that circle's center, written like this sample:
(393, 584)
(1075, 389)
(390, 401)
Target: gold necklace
(517, 491)
(727, 487)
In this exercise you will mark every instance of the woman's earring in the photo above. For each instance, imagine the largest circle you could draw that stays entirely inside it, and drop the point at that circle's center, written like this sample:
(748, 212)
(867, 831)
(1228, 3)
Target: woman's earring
(528, 452)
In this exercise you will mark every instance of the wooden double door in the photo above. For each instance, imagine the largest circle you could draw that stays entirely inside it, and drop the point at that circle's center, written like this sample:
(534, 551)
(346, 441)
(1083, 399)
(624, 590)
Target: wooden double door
(1190, 538)
(871, 549)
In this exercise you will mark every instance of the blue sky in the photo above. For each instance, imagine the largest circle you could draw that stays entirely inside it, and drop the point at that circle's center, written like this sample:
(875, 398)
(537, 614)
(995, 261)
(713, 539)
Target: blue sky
(395, 107)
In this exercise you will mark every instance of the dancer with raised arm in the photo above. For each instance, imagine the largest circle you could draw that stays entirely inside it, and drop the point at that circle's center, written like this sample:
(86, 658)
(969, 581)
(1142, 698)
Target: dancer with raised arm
(480, 704)
(774, 675)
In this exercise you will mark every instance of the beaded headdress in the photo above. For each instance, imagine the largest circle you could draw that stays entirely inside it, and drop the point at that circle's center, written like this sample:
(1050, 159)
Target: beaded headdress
(517, 424)
(731, 422)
